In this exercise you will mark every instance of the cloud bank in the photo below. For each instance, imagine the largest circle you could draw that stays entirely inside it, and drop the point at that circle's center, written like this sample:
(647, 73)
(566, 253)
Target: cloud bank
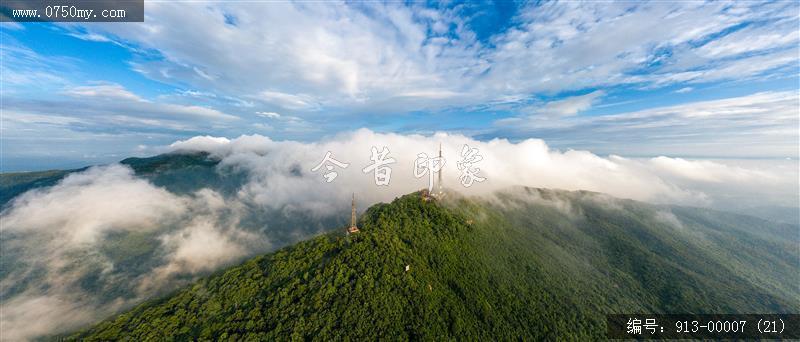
(104, 239)
(282, 170)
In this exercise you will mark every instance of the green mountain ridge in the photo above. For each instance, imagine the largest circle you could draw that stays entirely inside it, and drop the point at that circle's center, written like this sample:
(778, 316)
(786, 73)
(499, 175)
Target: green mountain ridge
(526, 264)
(179, 172)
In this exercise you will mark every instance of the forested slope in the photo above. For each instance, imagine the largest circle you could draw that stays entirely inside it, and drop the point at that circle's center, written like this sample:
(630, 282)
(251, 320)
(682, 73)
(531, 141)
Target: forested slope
(529, 263)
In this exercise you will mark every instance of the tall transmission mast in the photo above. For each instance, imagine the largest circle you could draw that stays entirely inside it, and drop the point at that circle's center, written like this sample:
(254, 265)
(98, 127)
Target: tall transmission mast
(353, 228)
(440, 170)
(439, 187)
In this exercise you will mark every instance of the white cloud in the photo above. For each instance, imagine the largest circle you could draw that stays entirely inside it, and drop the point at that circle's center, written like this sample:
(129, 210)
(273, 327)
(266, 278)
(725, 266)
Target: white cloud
(119, 100)
(781, 33)
(108, 91)
(24, 69)
(101, 117)
(670, 218)
(201, 248)
(339, 61)
(200, 143)
(569, 106)
(354, 63)
(88, 204)
(11, 25)
(530, 162)
(709, 171)
(92, 37)
(288, 101)
(269, 115)
(29, 316)
(579, 45)
(59, 235)
(758, 125)
(391, 56)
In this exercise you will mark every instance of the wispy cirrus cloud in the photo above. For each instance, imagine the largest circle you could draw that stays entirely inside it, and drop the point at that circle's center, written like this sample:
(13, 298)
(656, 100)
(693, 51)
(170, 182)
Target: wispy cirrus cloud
(415, 56)
(122, 101)
(762, 124)
(103, 105)
(269, 115)
(97, 123)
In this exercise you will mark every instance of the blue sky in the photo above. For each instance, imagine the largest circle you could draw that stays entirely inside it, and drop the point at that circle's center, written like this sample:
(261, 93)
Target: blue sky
(681, 79)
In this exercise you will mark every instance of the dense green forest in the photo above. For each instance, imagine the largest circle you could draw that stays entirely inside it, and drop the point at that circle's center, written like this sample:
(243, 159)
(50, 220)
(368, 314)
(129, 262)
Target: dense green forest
(528, 264)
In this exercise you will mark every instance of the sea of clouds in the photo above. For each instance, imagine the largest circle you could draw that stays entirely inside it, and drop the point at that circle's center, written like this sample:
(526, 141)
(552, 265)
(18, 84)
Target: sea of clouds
(282, 171)
(57, 235)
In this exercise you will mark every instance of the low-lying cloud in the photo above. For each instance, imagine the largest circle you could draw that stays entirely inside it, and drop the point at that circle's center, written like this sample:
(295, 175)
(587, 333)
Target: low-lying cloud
(281, 170)
(104, 239)
(90, 203)
(130, 239)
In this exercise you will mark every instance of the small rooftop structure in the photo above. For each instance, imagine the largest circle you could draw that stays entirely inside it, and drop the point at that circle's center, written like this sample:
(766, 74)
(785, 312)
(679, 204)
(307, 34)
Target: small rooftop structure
(425, 194)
